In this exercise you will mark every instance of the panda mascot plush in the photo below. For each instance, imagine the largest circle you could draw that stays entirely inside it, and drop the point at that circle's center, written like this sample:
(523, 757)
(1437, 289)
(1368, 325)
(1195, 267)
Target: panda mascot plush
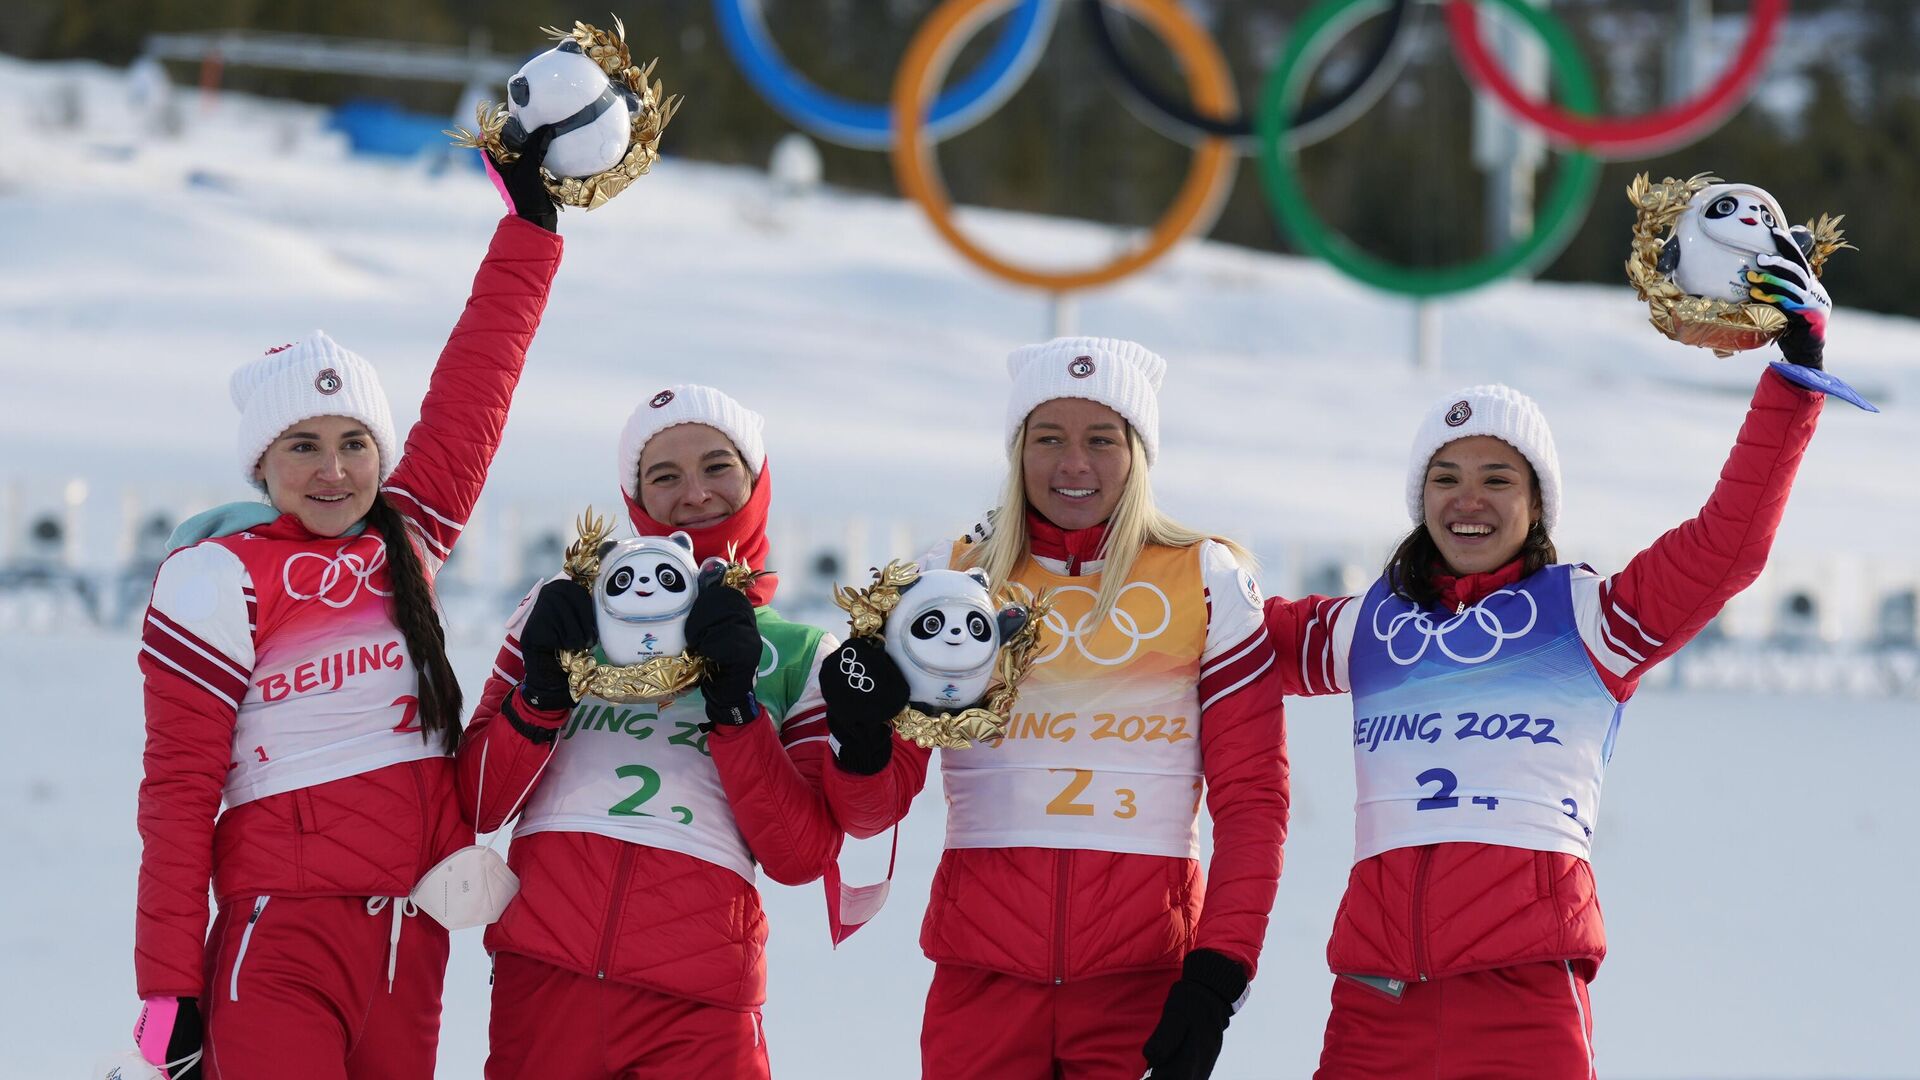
(945, 636)
(592, 114)
(642, 596)
(1714, 243)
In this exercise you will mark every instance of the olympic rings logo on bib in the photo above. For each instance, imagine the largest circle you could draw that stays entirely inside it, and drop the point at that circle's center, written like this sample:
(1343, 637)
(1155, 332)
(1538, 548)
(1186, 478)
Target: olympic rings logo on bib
(1126, 617)
(773, 659)
(1422, 625)
(344, 566)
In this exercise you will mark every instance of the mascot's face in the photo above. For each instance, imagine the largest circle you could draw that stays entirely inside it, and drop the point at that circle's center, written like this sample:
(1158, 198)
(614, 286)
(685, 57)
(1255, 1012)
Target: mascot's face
(944, 636)
(562, 86)
(1720, 232)
(645, 589)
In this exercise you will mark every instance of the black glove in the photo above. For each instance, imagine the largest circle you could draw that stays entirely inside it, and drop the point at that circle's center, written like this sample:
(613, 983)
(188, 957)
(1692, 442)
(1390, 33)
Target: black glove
(1186, 1042)
(1786, 281)
(562, 618)
(522, 181)
(864, 690)
(721, 630)
(183, 1040)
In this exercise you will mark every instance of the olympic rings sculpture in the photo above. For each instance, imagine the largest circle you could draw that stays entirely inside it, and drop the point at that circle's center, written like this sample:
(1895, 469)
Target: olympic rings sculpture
(918, 117)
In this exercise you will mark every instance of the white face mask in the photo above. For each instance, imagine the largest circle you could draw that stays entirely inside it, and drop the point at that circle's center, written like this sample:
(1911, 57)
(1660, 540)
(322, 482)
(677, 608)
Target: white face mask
(470, 887)
(474, 885)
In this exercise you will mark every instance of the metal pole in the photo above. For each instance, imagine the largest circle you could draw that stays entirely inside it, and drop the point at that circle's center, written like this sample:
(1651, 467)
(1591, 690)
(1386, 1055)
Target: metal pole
(1063, 313)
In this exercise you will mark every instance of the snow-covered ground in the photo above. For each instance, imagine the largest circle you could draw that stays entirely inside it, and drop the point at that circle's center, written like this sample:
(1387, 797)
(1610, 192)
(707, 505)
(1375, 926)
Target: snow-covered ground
(1756, 860)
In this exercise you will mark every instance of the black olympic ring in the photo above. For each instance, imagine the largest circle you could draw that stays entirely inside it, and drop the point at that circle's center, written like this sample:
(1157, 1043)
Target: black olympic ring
(1240, 125)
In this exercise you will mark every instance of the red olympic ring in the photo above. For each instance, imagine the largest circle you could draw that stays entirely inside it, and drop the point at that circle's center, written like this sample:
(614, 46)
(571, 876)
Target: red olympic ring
(1628, 136)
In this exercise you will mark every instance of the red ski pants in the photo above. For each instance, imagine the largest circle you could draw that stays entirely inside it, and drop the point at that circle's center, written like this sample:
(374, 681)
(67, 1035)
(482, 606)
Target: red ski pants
(296, 988)
(553, 1024)
(1528, 1022)
(984, 1024)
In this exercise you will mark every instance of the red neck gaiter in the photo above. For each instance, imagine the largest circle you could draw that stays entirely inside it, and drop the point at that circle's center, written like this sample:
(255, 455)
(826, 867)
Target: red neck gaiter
(1457, 592)
(1050, 541)
(744, 533)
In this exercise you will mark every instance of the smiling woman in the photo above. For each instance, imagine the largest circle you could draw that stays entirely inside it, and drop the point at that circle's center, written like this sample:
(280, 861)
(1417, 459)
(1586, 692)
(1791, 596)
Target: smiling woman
(1071, 926)
(1489, 680)
(296, 671)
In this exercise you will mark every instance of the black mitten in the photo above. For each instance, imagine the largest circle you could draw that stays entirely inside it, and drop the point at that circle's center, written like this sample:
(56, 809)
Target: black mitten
(722, 631)
(864, 690)
(1186, 1042)
(522, 183)
(562, 618)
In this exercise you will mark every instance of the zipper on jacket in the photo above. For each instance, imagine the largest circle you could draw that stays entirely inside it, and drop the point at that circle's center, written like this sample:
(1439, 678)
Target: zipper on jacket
(616, 901)
(246, 936)
(1062, 861)
(1419, 920)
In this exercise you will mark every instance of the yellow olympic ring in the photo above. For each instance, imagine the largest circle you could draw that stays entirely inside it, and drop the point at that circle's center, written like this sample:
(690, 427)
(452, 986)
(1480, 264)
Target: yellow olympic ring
(916, 170)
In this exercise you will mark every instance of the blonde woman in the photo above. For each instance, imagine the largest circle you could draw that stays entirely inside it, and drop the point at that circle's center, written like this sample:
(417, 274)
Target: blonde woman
(1069, 923)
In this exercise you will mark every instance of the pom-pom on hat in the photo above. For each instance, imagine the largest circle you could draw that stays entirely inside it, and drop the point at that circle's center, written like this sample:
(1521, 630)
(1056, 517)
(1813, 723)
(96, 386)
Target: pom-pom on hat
(1496, 410)
(1122, 375)
(314, 377)
(689, 403)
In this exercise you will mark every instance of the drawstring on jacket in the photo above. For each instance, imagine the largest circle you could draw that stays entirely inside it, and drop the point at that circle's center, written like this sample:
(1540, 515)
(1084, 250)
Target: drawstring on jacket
(402, 907)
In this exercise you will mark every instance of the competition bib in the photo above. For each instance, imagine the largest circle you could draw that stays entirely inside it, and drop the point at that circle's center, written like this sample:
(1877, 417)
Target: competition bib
(642, 772)
(1486, 726)
(1102, 751)
(333, 691)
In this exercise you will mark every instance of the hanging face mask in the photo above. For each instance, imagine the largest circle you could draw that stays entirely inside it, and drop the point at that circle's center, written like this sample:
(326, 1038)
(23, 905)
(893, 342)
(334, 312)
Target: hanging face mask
(474, 885)
(470, 887)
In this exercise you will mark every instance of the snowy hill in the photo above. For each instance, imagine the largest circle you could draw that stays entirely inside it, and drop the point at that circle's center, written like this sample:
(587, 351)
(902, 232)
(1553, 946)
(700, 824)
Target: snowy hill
(1755, 863)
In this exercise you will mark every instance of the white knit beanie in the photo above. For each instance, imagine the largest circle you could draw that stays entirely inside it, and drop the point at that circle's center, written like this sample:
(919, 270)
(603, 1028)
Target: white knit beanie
(296, 382)
(689, 403)
(1496, 410)
(1122, 375)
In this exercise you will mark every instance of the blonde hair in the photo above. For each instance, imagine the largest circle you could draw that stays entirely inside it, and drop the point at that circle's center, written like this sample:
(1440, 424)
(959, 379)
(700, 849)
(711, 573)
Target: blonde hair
(1136, 522)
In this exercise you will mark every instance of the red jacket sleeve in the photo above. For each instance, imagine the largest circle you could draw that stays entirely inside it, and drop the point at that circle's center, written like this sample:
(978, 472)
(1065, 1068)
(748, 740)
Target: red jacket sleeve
(444, 465)
(189, 742)
(1669, 592)
(196, 655)
(1305, 653)
(1243, 754)
(499, 759)
(870, 805)
(776, 797)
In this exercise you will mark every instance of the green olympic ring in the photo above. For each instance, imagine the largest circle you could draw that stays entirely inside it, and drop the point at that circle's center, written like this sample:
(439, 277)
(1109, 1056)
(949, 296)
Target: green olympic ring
(1565, 207)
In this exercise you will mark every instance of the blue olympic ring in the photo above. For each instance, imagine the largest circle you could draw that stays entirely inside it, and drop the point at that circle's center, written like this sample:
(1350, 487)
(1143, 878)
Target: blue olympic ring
(869, 127)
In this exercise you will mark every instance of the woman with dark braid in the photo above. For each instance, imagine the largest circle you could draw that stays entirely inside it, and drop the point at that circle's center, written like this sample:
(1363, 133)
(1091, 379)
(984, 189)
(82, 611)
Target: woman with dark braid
(295, 669)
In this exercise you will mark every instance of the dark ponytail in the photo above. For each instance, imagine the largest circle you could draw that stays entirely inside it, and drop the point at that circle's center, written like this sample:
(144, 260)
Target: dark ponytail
(413, 610)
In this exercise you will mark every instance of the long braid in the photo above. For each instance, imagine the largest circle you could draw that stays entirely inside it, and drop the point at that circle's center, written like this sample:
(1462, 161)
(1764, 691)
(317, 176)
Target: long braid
(413, 610)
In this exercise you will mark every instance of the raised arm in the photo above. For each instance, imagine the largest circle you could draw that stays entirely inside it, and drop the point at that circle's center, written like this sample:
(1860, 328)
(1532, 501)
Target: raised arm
(448, 452)
(1669, 592)
(196, 655)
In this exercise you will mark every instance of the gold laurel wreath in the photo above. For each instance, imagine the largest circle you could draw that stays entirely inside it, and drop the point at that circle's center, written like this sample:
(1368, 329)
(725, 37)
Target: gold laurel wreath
(609, 50)
(1720, 325)
(649, 680)
(867, 610)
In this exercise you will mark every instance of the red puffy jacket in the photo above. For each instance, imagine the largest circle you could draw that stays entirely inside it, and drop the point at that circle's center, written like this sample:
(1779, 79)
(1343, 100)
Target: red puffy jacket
(1442, 909)
(619, 910)
(1055, 914)
(373, 834)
